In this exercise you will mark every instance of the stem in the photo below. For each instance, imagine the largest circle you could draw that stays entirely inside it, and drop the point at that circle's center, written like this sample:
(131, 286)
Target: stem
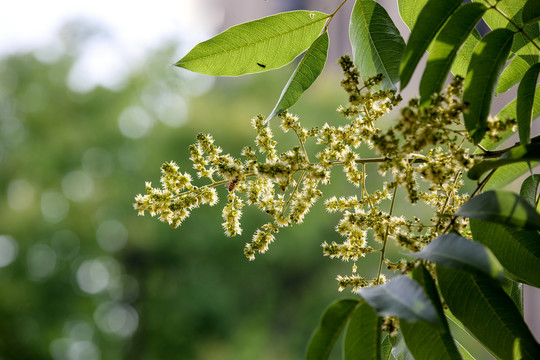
(385, 240)
(293, 192)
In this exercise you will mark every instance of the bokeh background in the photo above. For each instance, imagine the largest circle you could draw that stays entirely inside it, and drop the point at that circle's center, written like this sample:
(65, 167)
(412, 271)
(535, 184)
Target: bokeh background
(90, 106)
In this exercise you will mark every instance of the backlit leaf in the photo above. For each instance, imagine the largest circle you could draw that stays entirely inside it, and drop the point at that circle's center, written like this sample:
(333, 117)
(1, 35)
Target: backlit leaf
(256, 46)
(363, 334)
(446, 46)
(376, 42)
(512, 74)
(525, 102)
(304, 75)
(487, 312)
(501, 207)
(332, 323)
(423, 341)
(409, 10)
(520, 153)
(517, 250)
(486, 65)
(430, 20)
(531, 11)
(529, 189)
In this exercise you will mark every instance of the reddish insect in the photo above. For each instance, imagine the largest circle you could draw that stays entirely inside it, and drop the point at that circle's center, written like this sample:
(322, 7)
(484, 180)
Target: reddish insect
(232, 184)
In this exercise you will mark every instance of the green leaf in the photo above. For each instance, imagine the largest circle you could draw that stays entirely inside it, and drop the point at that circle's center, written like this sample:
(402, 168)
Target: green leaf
(505, 174)
(376, 42)
(409, 10)
(520, 153)
(386, 347)
(363, 335)
(432, 17)
(455, 251)
(423, 341)
(464, 352)
(510, 112)
(256, 46)
(487, 312)
(400, 350)
(502, 207)
(525, 102)
(529, 189)
(531, 11)
(446, 46)
(463, 58)
(332, 322)
(486, 65)
(402, 297)
(512, 74)
(517, 250)
(304, 75)
(514, 289)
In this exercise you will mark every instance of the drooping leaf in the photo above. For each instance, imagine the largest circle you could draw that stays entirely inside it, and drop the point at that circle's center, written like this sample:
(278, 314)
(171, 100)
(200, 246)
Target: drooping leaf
(455, 251)
(517, 250)
(304, 75)
(512, 74)
(464, 55)
(332, 323)
(376, 42)
(363, 334)
(256, 46)
(423, 341)
(486, 65)
(402, 297)
(501, 207)
(409, 10)
(430, 20)
(446, 45)
(531, 11)
(525, 102)
(529, 189)
(520, 153)
(487, 312)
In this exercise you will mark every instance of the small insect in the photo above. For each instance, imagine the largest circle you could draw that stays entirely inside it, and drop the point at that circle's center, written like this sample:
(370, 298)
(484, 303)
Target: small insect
(232, 185)
(261, 65)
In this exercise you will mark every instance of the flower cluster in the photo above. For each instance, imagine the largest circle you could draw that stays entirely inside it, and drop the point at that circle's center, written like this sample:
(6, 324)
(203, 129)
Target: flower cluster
(423, 152)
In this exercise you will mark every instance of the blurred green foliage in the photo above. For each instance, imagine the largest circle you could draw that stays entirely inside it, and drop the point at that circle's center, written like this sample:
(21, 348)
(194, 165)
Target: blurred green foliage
(82, 277)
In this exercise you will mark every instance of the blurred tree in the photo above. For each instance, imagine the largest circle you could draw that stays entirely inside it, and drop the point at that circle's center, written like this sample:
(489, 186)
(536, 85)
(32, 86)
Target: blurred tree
(81, 277)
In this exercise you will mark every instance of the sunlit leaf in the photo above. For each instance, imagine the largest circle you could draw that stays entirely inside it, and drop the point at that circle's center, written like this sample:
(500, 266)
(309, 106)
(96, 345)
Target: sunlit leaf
(305, 74)
(502, 207)
(409, 10)
(514, 289)
(455, 251)
(256, 46)
(529, 189)
(423, 341)
(512, 74)
(402, 297)
(525, 102)
(430, 20)
(504, 175)
(520, 153)
(486, 65)
(363, 334)
(376, 42)
(517, 250)
(332, 323)
(446, 45)
(531, 11)
(487, 312)
(464, 55)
